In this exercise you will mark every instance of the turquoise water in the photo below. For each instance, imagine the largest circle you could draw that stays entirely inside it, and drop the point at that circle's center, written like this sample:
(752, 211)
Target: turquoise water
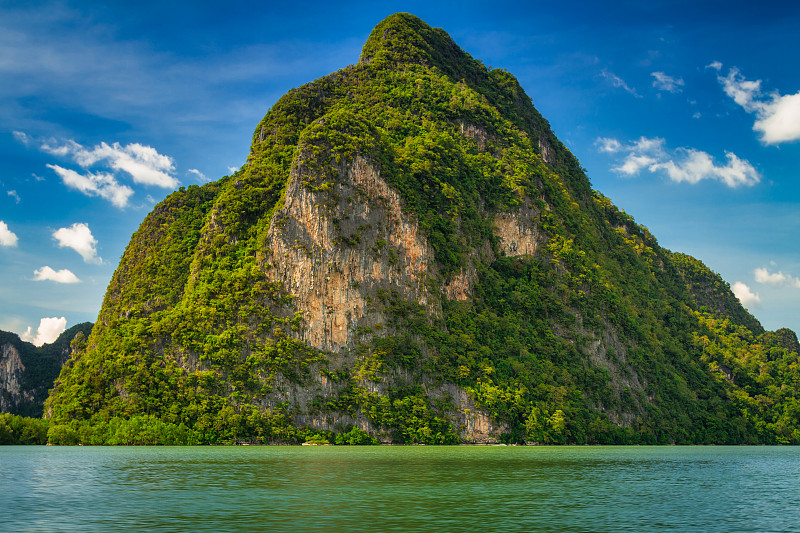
(388, 488)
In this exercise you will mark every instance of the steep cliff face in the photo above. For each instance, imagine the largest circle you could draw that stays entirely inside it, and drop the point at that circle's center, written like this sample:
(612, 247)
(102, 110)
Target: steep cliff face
(337, 247)
(11, 370)
(410, 250)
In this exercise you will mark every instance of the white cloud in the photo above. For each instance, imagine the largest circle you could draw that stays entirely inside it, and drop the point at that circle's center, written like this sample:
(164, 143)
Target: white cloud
(743, 92)
(633, 164)
(15, 196)
(649, 145)
(780, 120)
(199, 174)
(618, 82)
(608, 145)
(79, 238)
(22, 137)
(778, 116)
(744, 294)
(663, 82)
(233, 170)
(143, 163)
(7, 237)
(59, 276)
(716, 65)
(681, 164)
(696, 166)
(778, 279)
(103, 185)
(48, 331)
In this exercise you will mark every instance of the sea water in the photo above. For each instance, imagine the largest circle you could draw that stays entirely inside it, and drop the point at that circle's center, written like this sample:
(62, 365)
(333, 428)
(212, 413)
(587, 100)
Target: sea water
(399, 488)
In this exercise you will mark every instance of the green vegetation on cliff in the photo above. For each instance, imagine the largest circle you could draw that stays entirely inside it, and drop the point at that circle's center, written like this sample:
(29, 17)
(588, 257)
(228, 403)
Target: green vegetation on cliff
(592, 334)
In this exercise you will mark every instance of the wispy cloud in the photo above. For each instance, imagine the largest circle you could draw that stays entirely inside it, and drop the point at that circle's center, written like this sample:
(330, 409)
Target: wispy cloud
(84, 64)
(776, 279)
(745, 294)
(22, 138)
(59, 276)
(202, 177)
(680, 165)
(618, 82)
(778, 116)
(48, 331)
(608, 145)
(79, 237)
(664, 82)
(103, 184)
(7, 237)
(15, 196)
(142, 163)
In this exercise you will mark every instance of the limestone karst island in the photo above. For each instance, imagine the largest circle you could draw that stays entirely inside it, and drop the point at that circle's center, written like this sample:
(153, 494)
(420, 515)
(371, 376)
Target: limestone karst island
(409, 255)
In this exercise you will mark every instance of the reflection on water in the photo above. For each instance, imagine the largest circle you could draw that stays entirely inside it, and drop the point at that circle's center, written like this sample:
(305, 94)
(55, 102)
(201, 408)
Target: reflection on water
(389, 488)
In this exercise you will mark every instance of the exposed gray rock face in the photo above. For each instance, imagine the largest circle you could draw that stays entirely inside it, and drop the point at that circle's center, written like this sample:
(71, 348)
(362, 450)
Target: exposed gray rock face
(11, 370)
(334, 247)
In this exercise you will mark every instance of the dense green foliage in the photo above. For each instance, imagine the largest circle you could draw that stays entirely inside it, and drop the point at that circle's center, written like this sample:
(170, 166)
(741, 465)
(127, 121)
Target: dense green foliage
(148, 430)
(711, 293)
(16, 429)
(226, 427)
(601, 336)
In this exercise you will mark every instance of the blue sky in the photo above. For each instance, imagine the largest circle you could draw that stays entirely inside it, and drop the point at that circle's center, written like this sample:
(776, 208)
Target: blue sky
(685, 113)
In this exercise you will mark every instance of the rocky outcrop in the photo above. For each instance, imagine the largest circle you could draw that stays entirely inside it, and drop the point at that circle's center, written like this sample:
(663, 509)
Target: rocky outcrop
(519, 232)
(11, 371)
(471, 423)
(335, 247)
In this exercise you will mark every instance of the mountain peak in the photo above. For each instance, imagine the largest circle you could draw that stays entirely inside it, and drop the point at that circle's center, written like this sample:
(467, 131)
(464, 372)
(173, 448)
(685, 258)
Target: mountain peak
(402, 38)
